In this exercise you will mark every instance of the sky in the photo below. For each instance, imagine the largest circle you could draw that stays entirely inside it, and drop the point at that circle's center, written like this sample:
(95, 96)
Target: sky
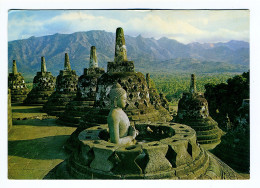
(186, 26)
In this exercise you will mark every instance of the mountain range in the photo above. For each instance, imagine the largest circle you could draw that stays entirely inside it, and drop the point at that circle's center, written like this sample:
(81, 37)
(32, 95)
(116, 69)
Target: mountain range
(149, 54)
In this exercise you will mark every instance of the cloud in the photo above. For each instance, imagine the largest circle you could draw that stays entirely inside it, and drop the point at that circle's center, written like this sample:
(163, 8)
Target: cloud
(185, 26)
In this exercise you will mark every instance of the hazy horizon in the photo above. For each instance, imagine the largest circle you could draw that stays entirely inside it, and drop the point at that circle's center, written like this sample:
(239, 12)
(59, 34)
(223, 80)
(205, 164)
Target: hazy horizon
(131, 36)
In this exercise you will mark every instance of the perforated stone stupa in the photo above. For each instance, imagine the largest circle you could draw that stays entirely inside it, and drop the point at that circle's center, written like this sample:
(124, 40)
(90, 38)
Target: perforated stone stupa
(43, 86)
(86, 93)
(139, 107)
(66, 89)
(234, 148)
(193, 111)
(17, 85)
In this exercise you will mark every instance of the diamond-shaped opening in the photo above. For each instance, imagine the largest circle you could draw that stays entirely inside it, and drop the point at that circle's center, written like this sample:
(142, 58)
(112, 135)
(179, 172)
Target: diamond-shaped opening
(136, 104)
(139, 80)
(131, 96)
(142, 160)
(125, 88)
(171, 156)
(143, 86)
(189, 149)
(130, 80)
(135, 88)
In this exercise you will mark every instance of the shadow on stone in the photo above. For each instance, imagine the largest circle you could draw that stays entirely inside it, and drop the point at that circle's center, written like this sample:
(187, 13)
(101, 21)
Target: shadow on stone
(50, 147)
(36, 109)
(37, 122)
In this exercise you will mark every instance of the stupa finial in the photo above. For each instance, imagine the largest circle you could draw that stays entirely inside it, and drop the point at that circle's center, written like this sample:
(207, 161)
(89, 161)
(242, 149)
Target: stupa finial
(93, 62)
(193, 84)
(43, 64)
(120, 48)
(14, 67)
(67, 62)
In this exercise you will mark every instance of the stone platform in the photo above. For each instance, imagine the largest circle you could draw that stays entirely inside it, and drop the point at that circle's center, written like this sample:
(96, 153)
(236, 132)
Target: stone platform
(162, 151)
(35, 143)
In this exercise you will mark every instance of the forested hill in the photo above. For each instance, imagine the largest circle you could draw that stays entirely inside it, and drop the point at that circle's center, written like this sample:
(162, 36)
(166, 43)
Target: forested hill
(149, 54)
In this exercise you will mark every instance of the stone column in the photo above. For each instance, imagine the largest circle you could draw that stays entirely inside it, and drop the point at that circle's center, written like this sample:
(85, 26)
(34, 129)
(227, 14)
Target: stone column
(148, 80)
(120, 48)
(67, 62)
(193, 84)
(43, 65)
(14, 67)
(93, 58)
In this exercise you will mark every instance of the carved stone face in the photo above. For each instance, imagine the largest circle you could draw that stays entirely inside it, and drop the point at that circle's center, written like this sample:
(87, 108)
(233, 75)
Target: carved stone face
(121, 102)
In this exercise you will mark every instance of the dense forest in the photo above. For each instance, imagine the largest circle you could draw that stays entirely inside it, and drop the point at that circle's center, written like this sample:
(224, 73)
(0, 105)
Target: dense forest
(173, 85)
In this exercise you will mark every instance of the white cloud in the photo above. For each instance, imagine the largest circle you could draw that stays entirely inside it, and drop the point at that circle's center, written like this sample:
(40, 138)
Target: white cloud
(185, 26)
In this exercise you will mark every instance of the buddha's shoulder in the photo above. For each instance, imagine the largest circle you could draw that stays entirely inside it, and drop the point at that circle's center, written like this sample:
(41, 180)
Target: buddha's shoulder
(116, 112)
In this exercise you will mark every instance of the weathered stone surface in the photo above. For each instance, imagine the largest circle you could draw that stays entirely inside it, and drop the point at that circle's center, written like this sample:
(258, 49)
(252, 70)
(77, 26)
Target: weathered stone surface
(120, 64)
(127, 156)
(156, 153)
(120, 47)
(193, 111)
(86, 93)
(234, 148)
(43, 86)
(66, 89)
(174, 156)
(138, 107)
(17, 85)
(93, 62)
(102, 154)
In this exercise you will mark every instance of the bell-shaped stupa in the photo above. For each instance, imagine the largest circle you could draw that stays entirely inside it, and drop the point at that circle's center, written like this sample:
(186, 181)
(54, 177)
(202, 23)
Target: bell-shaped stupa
(66, 89)
(86, 93)
(43, 86)
(17, 85)
(139, 107)
(193, 111)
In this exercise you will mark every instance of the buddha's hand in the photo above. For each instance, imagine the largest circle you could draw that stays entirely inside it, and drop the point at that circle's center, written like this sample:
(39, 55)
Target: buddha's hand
(136, 132)
(133, 132)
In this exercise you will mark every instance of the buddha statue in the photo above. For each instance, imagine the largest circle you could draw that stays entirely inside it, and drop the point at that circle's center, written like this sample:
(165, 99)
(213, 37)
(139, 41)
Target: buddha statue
(120, 130)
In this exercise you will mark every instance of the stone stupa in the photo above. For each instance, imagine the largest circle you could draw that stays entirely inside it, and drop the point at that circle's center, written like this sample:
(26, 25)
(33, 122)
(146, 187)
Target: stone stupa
(139, 107)
(193, 111)
(43, 86)
(86, 93)
(234, 148)
(66, 89)
(17, 85)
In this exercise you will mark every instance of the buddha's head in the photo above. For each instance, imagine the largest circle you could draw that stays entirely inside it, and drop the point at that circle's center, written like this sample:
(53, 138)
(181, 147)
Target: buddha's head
(118, 96)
